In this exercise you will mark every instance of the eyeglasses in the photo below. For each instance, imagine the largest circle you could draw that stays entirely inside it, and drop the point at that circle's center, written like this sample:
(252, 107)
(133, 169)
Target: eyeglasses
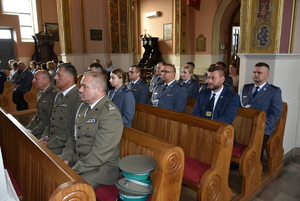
(165, 71)
(131, 72)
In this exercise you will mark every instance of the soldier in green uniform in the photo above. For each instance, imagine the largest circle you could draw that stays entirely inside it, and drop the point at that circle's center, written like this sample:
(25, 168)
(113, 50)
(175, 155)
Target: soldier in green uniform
(64, 109)
(94, 149)
(45, 100)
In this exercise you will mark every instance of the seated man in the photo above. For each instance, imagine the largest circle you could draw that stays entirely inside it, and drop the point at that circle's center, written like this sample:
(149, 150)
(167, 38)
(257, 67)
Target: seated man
(263, 96)
(228, 79)
(42, 81)
(65, 105)
(156, 79)
(22, 85)
(94, 149)
(217, 102)
(95, 67)
(138, 87)
(169, 94)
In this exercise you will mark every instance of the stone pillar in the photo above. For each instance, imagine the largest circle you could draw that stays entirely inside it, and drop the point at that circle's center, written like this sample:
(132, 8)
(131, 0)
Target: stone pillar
(65, 26)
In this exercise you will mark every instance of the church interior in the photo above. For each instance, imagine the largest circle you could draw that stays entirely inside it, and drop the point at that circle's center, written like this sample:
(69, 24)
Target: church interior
(238, 32)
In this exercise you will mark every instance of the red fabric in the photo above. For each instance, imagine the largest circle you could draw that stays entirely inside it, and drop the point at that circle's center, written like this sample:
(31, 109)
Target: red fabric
(193, 169)
(14, 182)
(194, 3)
(238, 149)
(109, 193)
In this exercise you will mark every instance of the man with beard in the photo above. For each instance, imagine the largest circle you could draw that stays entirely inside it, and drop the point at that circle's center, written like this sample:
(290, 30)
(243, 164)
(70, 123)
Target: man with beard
(217, 102)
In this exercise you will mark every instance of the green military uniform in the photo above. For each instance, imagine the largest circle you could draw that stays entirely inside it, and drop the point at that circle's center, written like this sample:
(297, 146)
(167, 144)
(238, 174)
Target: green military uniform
(94, 150)
(62, 120)
(43, 111)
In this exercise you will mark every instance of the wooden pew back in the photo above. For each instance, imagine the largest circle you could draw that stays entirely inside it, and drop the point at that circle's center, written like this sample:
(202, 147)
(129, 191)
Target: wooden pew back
(38, 171)
(202, 139)
(6, 101)
(167, 176)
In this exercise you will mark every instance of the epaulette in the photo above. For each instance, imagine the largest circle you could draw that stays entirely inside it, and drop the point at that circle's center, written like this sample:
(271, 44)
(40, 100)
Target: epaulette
(110, 106)
(274, 86)
(180, 84)
(126, 89)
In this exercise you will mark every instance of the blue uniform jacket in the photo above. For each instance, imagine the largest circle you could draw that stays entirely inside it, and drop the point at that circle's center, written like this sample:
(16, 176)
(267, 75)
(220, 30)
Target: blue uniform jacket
(225, 108)
(140, 91)
(192, 87)
(174, 97)
(124, 100)
(268, 100)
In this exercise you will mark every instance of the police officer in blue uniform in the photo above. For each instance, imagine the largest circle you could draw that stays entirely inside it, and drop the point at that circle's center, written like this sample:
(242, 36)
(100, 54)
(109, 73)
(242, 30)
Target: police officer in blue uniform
(187, 80)
(169, 95)
(263, 96)
(138, 87)
(156, 79)
(121, 96)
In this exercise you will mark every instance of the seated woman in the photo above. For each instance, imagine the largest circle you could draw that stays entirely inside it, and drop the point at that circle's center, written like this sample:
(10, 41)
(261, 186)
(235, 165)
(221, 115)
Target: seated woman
(121, 96)
(188, 81)
(234, 75)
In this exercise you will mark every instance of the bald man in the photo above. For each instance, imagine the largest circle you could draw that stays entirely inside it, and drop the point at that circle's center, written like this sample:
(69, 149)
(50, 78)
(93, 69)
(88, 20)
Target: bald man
(45, 100)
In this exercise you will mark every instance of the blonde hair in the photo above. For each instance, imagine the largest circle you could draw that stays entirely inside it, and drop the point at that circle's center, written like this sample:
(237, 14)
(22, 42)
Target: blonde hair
(50, 65)
(190, 70)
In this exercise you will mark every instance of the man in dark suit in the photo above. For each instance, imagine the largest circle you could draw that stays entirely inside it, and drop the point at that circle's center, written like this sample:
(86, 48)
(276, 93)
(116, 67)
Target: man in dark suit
(138, 87)
(22, 85)
(2, 79)
(263, 96)
(228, 79)
(64, 110)
(42, 81)
(169, 95)
(94, 150)
(217, 102)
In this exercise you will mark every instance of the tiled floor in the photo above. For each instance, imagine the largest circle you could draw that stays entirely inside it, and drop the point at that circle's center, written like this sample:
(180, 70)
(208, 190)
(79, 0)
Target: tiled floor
(286, 187)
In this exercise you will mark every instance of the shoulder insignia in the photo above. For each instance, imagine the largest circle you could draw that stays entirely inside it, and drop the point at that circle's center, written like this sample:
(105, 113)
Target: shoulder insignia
(110, 107)
(274, 86)
(143, 82)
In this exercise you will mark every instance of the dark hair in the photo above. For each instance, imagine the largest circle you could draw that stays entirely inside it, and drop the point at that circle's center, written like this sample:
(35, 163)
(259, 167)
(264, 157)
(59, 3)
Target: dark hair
(137, 68)
(69, 69)
(96, 65)
(15, 64)
(217, 68)
(222, 63)
(172, 66)
(261, 64)
(191, 63)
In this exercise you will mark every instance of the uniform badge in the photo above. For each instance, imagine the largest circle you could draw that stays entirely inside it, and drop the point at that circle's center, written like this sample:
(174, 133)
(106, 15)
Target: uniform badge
(169, 94)
(63, 105)
(208, 113)
(110, 107)
(90, 121)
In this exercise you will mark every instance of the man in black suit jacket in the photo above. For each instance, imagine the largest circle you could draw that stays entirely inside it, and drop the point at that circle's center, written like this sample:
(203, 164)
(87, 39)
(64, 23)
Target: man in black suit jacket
(21, 86)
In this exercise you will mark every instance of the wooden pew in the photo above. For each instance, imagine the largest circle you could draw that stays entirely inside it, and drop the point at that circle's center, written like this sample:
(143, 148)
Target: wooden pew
(31, 97)
(248, 123)
(167, 176)
(249, 127)
(40, 174)
(6, 101)
(206, 143)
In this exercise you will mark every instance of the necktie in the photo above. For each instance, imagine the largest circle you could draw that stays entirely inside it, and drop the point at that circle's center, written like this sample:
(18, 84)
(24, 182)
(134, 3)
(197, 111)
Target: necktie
(183, 83)
(59, 97)
(87, 110)
(39, 95)
(210, 107)
(256, 91)
(165, 87)
(131, 85)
